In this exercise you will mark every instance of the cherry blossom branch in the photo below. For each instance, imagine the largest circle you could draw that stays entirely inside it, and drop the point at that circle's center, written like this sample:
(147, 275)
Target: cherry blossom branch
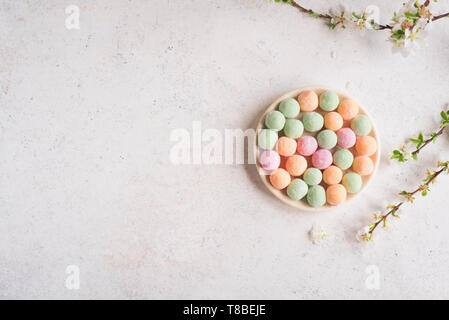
(426, 142)
(366, 233)
(403, 155)
(329, 17)
(338, 19)
(411, 20)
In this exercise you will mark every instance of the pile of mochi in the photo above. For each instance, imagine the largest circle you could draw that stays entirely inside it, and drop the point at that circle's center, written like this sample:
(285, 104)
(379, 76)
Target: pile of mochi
(317, 155)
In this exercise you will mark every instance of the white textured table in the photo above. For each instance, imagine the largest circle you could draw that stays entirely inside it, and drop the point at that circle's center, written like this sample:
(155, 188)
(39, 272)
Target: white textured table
(85, 176)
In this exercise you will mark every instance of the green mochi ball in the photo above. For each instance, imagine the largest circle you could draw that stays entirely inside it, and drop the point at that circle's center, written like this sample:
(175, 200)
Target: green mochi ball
(316, 196)
(293, 128)
(352, 182)
(297, 189)
(289, 107)
(313, 121)
(275, 120)
(361, 125)
(312, 176)
(343, 158)
(267, 139)
(327, 139)
(329, 101)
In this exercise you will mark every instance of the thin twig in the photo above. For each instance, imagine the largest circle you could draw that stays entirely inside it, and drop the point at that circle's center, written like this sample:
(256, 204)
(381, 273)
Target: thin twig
(310, 11)
(378, 26)
(410, 195)
(426, 142)
(444, 15)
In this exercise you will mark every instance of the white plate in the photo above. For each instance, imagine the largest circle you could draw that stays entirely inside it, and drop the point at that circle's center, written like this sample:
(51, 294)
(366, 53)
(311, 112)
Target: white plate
(281, 194)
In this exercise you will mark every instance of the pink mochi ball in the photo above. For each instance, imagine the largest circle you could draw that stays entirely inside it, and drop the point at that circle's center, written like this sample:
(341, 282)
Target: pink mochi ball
(307, 145)
(346, 138)
(269, 160)
(322, 159)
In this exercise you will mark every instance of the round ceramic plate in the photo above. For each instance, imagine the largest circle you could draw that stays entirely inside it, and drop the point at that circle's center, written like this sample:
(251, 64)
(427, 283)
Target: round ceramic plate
(281, 194)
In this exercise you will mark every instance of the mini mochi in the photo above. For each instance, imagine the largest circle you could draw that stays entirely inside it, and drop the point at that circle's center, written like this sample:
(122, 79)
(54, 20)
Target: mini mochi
(308, 100)
(329, 101)
(289, 108)
(267, 139)
(296, 165)
(322, 159)
(366, 146)
(352, 182)
(332, 175)
(297, 189)
(280, 179)
(346, 138)
(363, 165)
(316, 196)
(312, 121)
(293, 128)
(327, 139)
(348, 109)
(286, 146)
(269, 160)
(312, 176)
(343, 158)
(361, 125)
(275, 120)
(307, 145)
(335, 194)
(333, 121)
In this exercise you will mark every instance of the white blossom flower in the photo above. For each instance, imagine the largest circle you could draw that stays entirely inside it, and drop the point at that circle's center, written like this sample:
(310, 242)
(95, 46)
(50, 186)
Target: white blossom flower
(401, 23)
(423, 26)
(411, 44)
(340, 16)
(407, 7)
(318, 234)
(340, 10)
(400, 47)
(409, 26)
(360, 22)
(363, 234)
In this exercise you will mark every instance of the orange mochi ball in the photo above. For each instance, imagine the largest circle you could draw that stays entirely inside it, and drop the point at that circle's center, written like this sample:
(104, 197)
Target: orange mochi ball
(366, 146)
(308, 100)
(363, 165)
(333, 121)
(280, 179)
(286, 146)
(296, 165)
(332, 175)
(348, 109)
(335, 194)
